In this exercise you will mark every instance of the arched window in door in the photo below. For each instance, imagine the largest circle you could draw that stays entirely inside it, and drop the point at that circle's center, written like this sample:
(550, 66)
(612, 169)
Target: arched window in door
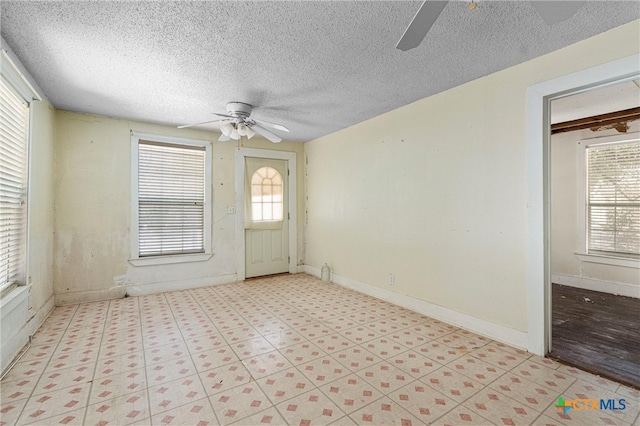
(267, 189)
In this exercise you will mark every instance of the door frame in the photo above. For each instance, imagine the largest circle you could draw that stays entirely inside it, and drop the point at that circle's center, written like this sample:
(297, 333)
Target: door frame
(539, 97)
(290, 158)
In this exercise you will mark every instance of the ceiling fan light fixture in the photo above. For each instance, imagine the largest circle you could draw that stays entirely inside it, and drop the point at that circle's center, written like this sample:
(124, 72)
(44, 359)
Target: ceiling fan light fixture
(242, 129)
(226, 129)
(237, 124)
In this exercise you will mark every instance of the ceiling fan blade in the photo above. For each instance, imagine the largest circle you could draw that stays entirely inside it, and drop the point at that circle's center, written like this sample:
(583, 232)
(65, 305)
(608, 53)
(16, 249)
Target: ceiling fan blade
(553, 12)
(273, 125)
(223, 138)
(197, 124)
(267, 134)
(222, 115)
(421, 24)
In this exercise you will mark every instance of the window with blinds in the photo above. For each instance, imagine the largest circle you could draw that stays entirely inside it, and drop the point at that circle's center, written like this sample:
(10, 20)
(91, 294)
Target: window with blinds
(613, 198)
(14, 133)
(171, 199)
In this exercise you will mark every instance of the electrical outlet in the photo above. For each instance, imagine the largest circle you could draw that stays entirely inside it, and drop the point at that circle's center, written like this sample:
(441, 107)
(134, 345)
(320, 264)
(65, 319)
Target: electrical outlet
(392, 279)
(231, 210)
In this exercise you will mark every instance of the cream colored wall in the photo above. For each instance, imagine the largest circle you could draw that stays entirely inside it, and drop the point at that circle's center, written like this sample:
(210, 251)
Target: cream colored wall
(435, 192)
(566, 267)
(92, 200)
(41, 206)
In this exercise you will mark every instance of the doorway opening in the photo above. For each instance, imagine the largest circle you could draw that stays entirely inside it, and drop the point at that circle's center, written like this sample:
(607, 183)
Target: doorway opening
(594, 157)
(266, 212)
(539, 97)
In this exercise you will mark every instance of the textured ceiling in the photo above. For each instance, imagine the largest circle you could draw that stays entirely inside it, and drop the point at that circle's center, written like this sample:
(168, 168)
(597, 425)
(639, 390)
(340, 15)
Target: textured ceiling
(315, 67)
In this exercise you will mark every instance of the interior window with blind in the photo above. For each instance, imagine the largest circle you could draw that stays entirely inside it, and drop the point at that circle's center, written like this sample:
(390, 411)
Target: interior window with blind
(172, 202)
(14, 134)
(613, 198)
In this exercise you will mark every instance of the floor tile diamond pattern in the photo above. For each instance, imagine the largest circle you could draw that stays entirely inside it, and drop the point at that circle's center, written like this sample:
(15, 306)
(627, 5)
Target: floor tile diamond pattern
(238, 403)
(310, 408)
(384, 411)
(351, 393)
(284, 350)
(285, 384)
(422, 402)
(169, 395)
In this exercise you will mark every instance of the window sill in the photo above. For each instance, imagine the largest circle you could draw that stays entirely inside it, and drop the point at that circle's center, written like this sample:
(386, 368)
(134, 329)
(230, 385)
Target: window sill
(13, 297)
(609, 260)
(167, 260)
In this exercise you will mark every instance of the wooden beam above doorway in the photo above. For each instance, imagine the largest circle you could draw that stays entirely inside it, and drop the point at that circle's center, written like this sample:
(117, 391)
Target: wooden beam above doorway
(614, 120)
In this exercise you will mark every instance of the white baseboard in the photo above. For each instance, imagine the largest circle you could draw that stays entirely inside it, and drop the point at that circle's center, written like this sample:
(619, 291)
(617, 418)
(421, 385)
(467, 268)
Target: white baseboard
(75, 297)
(620, 289)
(485, 328)
(13, 344)
(312, 270)
(159, 287)
(119, 292)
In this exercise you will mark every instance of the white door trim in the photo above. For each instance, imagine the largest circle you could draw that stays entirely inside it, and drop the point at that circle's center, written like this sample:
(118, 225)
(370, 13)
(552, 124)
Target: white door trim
(290, 158)
(539, 97)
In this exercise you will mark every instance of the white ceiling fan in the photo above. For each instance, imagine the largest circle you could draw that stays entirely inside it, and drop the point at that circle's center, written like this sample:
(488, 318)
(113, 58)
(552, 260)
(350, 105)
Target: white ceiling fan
(550, 11)
(237, 123)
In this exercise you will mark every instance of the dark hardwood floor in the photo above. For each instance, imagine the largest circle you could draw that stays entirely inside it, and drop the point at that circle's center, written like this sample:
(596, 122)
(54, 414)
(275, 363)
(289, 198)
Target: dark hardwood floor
(598, 332)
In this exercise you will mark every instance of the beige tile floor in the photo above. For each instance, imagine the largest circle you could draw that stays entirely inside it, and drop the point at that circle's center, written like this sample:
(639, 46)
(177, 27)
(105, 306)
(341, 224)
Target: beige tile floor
(284, 350)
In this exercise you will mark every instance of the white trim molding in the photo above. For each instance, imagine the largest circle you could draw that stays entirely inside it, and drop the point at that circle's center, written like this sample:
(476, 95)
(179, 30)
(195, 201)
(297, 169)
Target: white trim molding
(290, 158)
(124, 288)
(485, 328)
(605, 259)
(539, 97)
(18, 324)
(160, 287)
(75, 297)
(166, 260)
(17, 77)
(619, 289)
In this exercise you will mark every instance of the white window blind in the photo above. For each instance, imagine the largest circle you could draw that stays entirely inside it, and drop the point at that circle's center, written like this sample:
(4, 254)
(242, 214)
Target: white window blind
(14, 130)
(171, 199)
(613, 198)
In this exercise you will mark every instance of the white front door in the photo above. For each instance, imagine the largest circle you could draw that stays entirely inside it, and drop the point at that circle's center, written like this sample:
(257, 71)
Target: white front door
(266, 217)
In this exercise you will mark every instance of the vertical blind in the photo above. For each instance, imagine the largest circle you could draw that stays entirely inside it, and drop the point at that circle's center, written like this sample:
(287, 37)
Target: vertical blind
(14, 128)
(613, 198)
(171, 198)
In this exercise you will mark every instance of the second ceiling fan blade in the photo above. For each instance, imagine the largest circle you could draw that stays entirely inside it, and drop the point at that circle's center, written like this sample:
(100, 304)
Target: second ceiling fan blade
(421, 24)
(197, 124)
(267, 134)
(553, 12)
(222, 115)
(273, 125)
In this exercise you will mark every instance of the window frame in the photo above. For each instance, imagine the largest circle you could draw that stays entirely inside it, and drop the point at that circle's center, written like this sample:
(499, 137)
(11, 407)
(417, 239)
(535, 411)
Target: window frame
(583, 253)
(20, 262)
(135, 258)
(17, 81)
